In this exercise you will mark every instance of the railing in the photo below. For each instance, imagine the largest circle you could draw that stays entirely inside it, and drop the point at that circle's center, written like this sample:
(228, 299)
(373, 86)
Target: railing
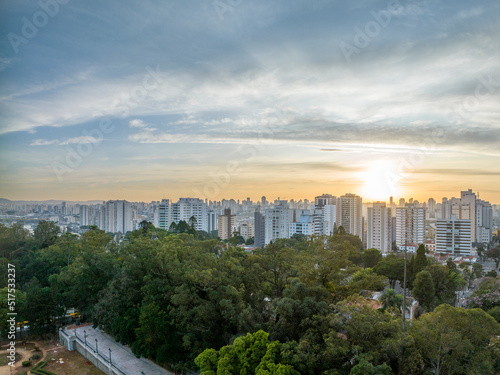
(99, 356)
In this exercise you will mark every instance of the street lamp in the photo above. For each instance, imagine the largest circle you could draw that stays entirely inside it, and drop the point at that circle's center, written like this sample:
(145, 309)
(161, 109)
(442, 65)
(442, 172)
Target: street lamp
(96, 348)
(85, 336)
(110, 355)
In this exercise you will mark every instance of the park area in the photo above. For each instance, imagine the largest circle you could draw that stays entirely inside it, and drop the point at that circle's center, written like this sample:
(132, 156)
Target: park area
(59, 360)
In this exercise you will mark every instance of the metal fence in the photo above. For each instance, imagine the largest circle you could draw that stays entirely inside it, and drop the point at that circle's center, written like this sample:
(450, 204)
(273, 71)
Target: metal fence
(99, 356)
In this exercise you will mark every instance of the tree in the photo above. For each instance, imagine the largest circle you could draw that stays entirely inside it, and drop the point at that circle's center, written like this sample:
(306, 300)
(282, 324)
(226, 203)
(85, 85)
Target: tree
(494, 253)
(392, 267)
(420, 260)
(366, 368)
(456, 340)
(423, 290)
(277, 260)
(391, 299)
(45, 234)
(487, 296)
(394, 247)
(250, 354)
(371, 257)
(296, 309)
(366, 279)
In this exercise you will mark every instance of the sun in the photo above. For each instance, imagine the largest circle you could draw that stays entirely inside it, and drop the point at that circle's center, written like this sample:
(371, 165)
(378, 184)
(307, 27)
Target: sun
(381, 181)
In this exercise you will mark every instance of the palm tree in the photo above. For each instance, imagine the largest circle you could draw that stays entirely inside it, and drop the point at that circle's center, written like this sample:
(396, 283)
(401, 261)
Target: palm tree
(391, 299)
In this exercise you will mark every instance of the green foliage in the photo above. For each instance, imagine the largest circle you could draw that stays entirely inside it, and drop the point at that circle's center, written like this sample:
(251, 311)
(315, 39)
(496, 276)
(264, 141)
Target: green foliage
(487, 296)
(366, 280)
(366, 368)
(250, 354)
(421, 261)
(423, 290)
(38, 369)
(456, 341)
(392, 267)
(391, 299)
(26, 363)
(185, 297)
(371, 257)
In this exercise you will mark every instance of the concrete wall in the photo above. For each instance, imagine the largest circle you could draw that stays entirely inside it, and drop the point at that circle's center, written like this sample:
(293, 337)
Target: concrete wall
(70, 342)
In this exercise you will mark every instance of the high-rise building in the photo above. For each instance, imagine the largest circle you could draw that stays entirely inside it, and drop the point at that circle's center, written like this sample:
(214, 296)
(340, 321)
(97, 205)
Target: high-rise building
(484, 222)
(470, 207)
(277, 221)
(164, 214)
(454, 236)
(468, 212)
(118, 216)
(226, 225)
(379, 227)
(325, 199)
(212, 221)
(247, 230)
(410, 225)
(329, 216)
(187, 208)
(303, 226)
(260, 229)
(431, 208)
(349, 214)
(84, 215)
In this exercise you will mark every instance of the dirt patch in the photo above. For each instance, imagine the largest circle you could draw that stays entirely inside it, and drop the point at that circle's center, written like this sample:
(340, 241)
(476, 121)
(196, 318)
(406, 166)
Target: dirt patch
(63, 362)
(4, 360)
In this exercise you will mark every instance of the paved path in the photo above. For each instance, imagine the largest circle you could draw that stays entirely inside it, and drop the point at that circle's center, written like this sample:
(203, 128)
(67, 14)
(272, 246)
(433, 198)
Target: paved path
(26, 354)
(121, 355)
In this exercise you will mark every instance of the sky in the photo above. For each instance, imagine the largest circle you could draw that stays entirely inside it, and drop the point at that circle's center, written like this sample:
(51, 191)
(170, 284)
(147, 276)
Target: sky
(243, 98)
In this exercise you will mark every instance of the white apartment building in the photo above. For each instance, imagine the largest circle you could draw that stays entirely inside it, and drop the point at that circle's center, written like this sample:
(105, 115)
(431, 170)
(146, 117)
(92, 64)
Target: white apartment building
(349, 214)
(164, 214)
(454, 236)
(304, 226)
(185, 208)
(484, 221)
(379, 227)
(410, 225)
(84, 215)
(329, 212)
(277, 220)
(118, 216)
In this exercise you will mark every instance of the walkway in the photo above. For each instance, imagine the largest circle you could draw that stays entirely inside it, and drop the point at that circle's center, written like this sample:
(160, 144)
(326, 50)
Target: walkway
(120, 355)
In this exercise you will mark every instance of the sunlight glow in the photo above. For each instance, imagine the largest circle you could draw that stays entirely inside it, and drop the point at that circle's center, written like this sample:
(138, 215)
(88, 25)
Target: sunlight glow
(381, 181)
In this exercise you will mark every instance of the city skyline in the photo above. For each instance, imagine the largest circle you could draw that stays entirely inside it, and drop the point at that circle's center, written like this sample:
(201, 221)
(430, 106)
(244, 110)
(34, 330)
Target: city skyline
(256, 198)
(145, 101)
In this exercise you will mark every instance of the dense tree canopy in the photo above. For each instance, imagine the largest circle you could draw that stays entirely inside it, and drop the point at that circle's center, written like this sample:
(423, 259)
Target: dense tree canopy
(297, 306)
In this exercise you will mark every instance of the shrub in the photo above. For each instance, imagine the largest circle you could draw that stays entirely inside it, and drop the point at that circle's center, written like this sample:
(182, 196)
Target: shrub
(26, 363)
(36, 356)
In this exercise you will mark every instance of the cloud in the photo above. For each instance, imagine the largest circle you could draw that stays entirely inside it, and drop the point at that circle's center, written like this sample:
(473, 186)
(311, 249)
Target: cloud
(137, 124)
(67, 141)
(458, 172)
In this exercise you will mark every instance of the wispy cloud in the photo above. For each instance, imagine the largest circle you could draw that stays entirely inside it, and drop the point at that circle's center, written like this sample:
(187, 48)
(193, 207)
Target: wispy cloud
(67, 141)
